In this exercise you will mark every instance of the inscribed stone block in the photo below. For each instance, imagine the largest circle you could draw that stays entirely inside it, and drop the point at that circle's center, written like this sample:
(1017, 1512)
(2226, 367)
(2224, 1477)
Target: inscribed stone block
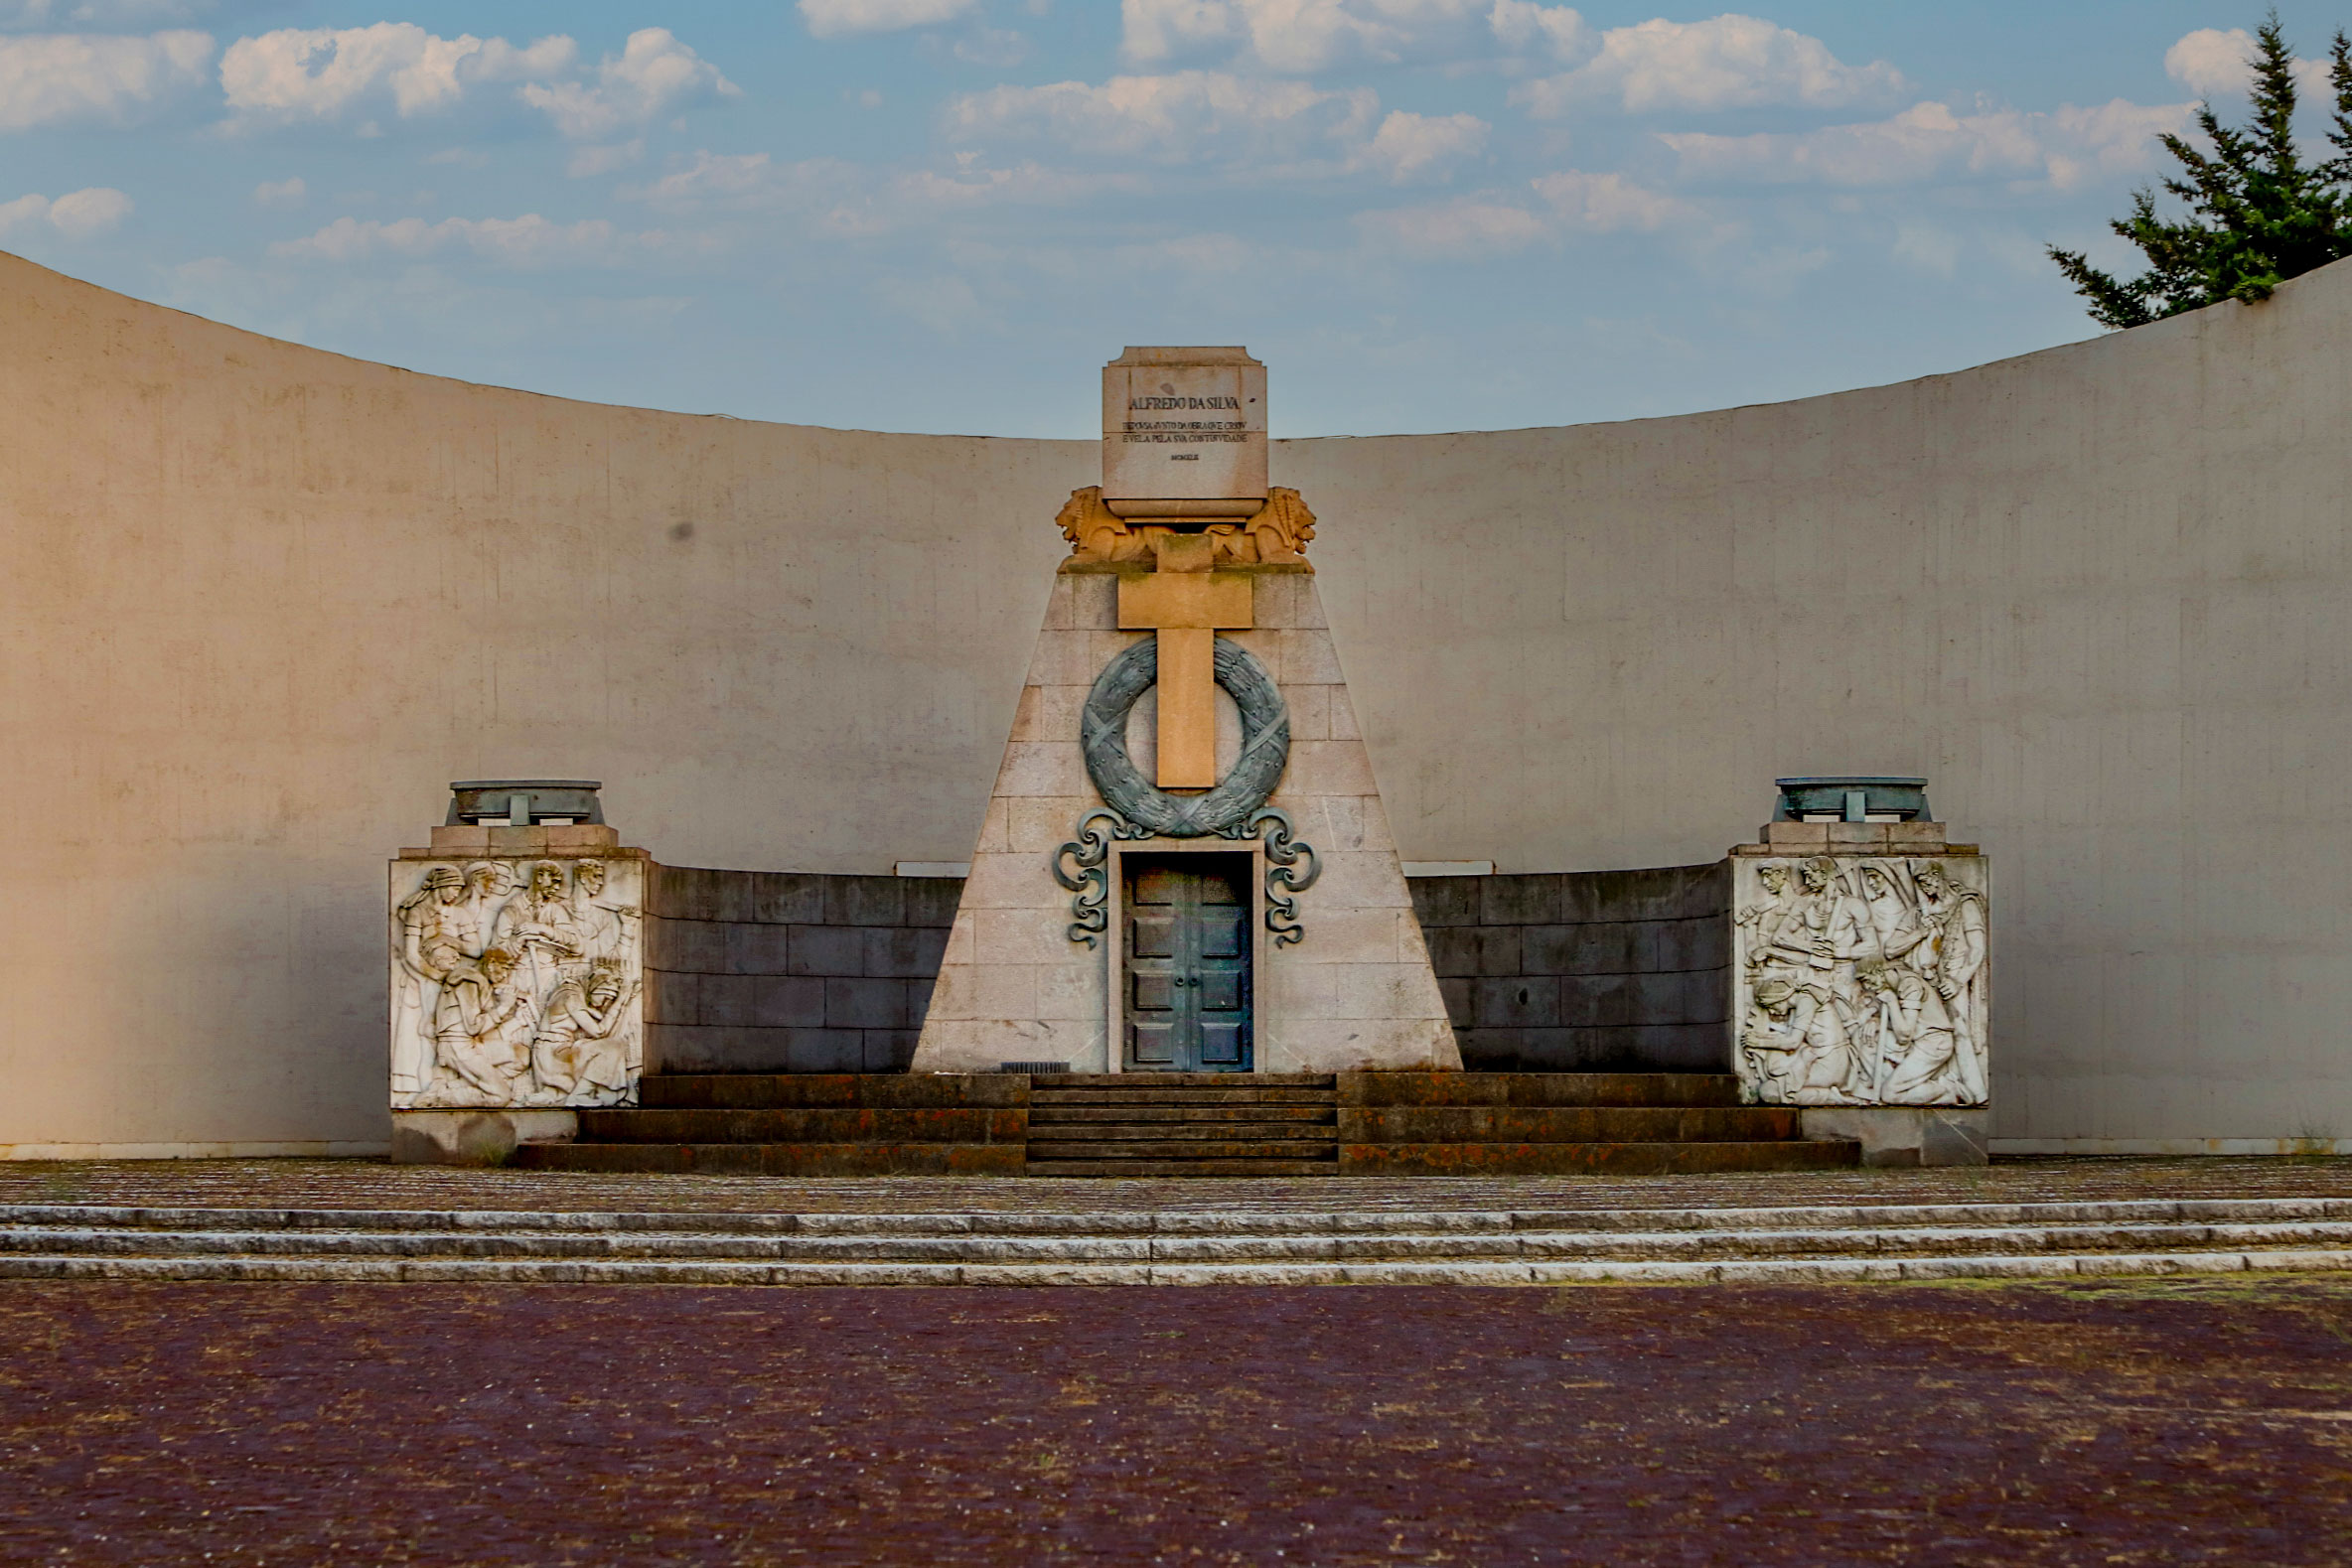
(865, 901)
(788, 898)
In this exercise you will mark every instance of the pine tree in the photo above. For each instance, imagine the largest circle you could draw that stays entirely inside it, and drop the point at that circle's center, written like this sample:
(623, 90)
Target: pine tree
(2258, 214)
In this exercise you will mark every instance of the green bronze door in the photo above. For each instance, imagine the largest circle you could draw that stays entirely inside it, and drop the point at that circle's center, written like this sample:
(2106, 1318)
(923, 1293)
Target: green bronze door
(1187, 980)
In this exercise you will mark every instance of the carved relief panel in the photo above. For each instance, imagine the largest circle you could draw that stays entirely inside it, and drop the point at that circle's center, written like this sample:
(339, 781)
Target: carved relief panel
(1860, 980)
(517, 981)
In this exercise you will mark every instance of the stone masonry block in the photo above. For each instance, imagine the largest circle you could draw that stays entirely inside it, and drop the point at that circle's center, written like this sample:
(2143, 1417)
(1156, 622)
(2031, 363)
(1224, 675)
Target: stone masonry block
(1460, 995)
(865, 901)
(1309, 659)
(932, 901)
(1518, 1000)
(1520, 900)
(889, 1050)
(1446, 900)
(825, 1050)
(825, 950)
(865, 1004)
(1044, 768)
(696, 946)
(1590, 1000)
(787, 1001)
(1498, 950)
(756, 950)
(788, 898)
(1330, 767)
(904, 951)
(729, 999)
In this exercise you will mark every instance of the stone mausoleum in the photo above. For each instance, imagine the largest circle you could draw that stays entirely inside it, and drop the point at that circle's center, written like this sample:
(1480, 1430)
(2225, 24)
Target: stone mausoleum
(790, 799)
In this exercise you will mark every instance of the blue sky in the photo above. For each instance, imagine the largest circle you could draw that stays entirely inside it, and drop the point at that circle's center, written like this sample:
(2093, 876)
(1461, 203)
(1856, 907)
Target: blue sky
(944, 214)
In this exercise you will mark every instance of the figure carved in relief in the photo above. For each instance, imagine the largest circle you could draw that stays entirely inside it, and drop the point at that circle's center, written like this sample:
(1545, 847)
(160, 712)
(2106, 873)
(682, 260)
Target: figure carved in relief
(481, 1027)
(1954, 957)
(1859, 984)
(609, 933)
(542, 930)
(575, 1053)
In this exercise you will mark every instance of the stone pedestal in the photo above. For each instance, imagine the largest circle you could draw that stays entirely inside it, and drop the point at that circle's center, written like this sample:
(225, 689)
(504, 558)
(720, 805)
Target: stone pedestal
(517, 984)
(1861, 983)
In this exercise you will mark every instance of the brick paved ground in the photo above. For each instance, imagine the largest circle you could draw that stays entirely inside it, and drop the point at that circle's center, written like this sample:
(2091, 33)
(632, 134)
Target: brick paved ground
(2132, 1423)
(349, 1184)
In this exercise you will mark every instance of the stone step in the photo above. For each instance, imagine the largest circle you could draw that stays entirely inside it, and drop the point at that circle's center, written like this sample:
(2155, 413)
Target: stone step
(1075, 1115)
(1222, 1165)
(1090, 1132)
(633, 1271)
(1567, 1124)
(1379, 1246)
(1177, 1144)
(1579, 1159)
(2189, 1217)
(960, 1124)
(1183, 1096)
(1184, 1080)
(777, 1158)
(1541, 1089)
(831, 1091)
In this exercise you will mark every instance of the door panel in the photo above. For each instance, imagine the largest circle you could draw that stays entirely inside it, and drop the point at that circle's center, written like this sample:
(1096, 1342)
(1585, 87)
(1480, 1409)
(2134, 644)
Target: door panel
(1188, 955)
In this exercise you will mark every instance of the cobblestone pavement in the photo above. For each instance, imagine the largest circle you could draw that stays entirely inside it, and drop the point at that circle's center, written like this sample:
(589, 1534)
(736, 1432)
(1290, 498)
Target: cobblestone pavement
(2190, 1421)
(366, 1184)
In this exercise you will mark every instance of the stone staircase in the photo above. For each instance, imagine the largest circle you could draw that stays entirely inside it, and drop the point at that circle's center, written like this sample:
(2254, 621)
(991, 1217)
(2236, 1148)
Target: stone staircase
(803, 1124)
(1184, 1124)
(1569, 1124)
(1156, 1124)
(1336, 1246)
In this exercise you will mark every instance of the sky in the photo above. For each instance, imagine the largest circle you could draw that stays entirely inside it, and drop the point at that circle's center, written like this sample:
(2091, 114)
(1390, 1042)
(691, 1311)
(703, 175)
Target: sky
(945, 215)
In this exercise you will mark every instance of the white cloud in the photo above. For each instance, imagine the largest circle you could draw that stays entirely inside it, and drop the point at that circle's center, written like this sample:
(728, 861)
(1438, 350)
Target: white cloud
(589, 161)
(120, 15)
(1180, 118)
(1929, 142)
(841, 18)
(946, 305)
(1731, 61)
(1521, 26)
(1409, 145)
(280, 193)
(77, 215)
(530, 242)
(1570, 201)
(1304, 35)
(654, 75)
(317, 73)
(2213, 63)
(51, 78)
(1465, 229)
(1604, 203)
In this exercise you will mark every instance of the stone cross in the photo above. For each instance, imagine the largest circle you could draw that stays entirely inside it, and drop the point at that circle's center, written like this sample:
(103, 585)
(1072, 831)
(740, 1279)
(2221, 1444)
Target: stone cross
(1186, 604)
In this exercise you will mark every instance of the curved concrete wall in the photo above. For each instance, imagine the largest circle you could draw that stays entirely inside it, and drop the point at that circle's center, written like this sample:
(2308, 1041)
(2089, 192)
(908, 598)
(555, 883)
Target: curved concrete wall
(261, 603)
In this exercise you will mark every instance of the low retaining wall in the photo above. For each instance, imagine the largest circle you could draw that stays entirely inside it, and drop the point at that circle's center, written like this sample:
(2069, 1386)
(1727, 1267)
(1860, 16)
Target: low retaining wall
(1584, 971)
(790, 971)
(1601, 971)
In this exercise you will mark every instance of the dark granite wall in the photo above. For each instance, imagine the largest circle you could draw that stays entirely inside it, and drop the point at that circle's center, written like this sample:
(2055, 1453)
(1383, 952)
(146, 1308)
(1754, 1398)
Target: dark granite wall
(1584, 971)
(790, 971)
(1575, 973)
